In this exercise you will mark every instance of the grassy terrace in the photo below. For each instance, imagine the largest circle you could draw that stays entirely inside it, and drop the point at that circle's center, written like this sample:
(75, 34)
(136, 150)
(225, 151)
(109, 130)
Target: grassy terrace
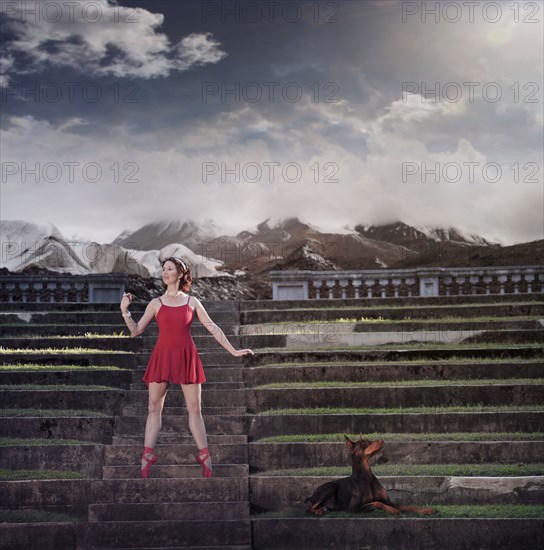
(81, 350)
(406, 307)
(40, 368)
(458, 470)
(401, 383)
(444, 511)
(31, 442)
(50, 413)
(54, 387)
(408, 346)
(17, 475)
(408, 410)
(405, 437)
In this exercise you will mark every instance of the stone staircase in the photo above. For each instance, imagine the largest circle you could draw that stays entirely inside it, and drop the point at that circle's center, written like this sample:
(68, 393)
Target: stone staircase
(453, 385)
(112, 507)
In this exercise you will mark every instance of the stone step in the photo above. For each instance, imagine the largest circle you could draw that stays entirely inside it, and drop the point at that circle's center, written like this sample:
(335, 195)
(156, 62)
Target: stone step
(393, 353)
(286, 424)
(332, 337)
(395, 396)
(161, 534)
(392, 371)
(95, 429)
(105, 401)
(83, 376)
(326, 311)
(170, 511)
(277, 456)
(278, 492)
(309, 533)
(228, 398)
(401, 301)
(87, 459)
(175, 471)
(175, 410)
(50, 494)
(213, 374)
(173, 439)
(91, 358)
(210, 385)
(221, 424)
(222, 453)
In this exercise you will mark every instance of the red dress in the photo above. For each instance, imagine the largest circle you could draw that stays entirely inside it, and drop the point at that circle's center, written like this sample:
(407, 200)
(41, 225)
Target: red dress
(175, 358)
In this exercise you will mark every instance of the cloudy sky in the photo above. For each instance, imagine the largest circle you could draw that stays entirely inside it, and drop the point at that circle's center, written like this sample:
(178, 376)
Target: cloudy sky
(116, 114)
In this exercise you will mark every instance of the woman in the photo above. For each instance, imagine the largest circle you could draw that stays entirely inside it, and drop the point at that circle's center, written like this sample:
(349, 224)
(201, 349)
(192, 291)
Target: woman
(175, 358)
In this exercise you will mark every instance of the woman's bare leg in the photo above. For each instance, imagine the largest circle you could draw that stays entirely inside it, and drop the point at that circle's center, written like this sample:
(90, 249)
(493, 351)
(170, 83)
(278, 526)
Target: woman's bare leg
(157, 396)
(192, 394)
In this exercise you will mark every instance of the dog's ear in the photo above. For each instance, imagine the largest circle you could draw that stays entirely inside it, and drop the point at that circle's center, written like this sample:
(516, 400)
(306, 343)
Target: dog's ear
(349, 443)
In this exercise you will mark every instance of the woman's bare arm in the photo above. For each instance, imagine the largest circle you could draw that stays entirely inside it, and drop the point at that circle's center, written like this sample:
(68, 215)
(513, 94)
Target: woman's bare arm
(136, 328)
(215, 331)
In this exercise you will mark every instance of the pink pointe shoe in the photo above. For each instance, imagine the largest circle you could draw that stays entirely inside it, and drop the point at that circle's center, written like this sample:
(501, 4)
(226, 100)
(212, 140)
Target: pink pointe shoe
(150, 461)
(202, 457)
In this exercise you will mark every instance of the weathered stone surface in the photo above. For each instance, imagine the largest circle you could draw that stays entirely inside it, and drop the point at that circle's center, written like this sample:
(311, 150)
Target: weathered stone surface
(397, 533)
(278, 492)
(270, 425)
(276, 456)
(175, 471)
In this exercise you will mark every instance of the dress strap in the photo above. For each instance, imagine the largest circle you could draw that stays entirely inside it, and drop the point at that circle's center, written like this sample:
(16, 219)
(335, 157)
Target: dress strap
(160, 300)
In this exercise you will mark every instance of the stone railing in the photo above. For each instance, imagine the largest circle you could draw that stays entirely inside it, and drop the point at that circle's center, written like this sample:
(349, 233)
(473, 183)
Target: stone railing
(93, 288)
(385, 283)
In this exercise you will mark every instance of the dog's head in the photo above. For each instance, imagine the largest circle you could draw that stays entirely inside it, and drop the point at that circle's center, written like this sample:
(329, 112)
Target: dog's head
(363, 448)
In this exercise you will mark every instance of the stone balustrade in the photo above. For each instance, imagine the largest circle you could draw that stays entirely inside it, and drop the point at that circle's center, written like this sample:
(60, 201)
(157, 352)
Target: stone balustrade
(93, 288)
(385, 283)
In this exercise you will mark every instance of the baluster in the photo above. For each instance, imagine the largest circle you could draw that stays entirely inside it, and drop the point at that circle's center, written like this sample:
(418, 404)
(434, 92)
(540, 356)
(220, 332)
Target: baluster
(488, 279)
(356, 284)
(317, 286)
(383, 287)
(516, 279)
(502, 280)
(474, 280)
(65, 291)
(343, 285)
(529, 280)
(24, 291)
(51, 287)
(80, 287)
(410, 282)
(447, 283)
(330, 285)
(10, 287)
(396, 285)
(460, 281)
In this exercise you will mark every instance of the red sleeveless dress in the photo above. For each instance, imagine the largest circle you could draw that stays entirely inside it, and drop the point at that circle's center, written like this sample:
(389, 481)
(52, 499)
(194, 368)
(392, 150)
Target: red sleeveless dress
(175, 358)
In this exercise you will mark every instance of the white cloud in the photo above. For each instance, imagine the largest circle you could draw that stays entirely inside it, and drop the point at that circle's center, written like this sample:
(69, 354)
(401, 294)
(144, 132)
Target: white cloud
(121, 43)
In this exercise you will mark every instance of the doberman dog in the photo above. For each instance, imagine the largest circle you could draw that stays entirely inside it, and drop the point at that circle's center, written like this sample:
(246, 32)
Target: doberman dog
(360, 492)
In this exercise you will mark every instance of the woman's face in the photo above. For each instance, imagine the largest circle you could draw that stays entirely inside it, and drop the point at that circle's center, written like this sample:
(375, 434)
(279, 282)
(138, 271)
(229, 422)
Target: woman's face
(169, 272)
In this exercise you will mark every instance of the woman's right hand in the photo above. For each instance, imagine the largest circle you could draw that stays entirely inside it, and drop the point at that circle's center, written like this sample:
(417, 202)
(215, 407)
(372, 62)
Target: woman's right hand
(126, 301)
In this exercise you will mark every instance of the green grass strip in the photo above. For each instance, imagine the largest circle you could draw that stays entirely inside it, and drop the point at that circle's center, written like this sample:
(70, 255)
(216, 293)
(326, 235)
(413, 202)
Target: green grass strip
(457, 470)
(38, 516)
(54, 368)
(486, 511)
(50, 413)
(407, 410)
(386, 307)
(446, 360)
(405, 437)
(402, 383)
(405, 320)
(44, 351)
(31, 442)
(15, 475)
(432, 346)
(55, 387)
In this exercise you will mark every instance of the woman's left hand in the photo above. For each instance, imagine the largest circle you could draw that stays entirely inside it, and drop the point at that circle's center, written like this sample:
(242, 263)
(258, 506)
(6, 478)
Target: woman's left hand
(240, 352)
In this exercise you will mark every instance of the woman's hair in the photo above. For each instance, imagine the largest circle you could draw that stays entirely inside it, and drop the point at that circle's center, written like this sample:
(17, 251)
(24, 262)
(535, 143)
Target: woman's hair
(183, 269)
